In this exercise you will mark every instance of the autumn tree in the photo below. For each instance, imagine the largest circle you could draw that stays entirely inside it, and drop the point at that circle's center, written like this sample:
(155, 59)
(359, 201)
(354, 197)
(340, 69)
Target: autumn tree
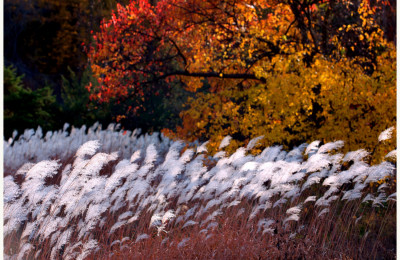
(243, 52)
(192, 40)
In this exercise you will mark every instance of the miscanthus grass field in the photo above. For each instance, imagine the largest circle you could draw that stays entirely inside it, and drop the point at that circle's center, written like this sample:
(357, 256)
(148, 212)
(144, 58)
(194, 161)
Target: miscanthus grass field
(90, 193)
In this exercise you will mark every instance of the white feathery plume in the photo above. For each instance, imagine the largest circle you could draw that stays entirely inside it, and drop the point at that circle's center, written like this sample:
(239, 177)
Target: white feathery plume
(89, 247)
(115, 242)
(279, 202)
(265, 226)
(42, 170)
(257, 209)
(391, 155)
(379, 200)
(30, 230)
(24, 250)
(14, 215)
(125, 215)
(249, 166)
(117, 225)
(178, 220)
(355, 193)
(225, 142)
(293, 193)
(253, 142)
(331, 146)
(312, 148)
(296, 177)
(211, 217)
(296, 155)
(294, 210)
(191, 211)
(28, 133)
(368, 197)
(358, 170)
(240, 212)
(294, 217)
(219, 155)
(355, 156)
(133, 219)
(386, 135)
(11, 189)
(65, 174)
(392, 196)
(317, 162)
(310, 198)
(379, 172)
(310, 181)
(141, 237)
(49, 225)
(121, 172)
(62, 241)
(156, 220)
(88, 149)
(125, 239)
(135, 156)
(212, 203)
(183, 242)
(96, 163)
(187, 156)
(34, 188)
(24, 169)
(323, 212)
(212, 225)
(202, 148)
(332, 180)
(151, 155)
(168, 216)
(324, 202)
(238, 158)
(151, 180)
(382, 187)
(48, 200)
(189, 223)
(270, 154)
(70, 251)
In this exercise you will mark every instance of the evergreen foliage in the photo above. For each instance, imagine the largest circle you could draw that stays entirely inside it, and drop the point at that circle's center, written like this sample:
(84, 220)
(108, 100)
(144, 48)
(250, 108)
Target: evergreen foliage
(26, 108)
(76, 106)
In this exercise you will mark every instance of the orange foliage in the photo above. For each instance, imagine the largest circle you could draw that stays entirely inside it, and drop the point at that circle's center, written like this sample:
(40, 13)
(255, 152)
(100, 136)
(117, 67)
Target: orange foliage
(259, 66)
(222, 42)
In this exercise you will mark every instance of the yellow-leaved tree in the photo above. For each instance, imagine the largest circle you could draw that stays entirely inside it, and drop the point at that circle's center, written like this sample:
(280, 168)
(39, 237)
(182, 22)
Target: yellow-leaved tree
(292, 71)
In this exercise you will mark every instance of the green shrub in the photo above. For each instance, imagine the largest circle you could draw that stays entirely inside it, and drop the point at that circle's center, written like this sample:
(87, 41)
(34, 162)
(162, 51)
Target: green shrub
(25, 108)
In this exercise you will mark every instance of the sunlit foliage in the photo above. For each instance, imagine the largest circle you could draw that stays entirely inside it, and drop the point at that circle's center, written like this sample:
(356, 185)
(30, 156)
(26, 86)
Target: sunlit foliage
(292, 71)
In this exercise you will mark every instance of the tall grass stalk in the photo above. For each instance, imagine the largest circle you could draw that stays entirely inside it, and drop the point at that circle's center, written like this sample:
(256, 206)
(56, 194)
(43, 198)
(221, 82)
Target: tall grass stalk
(154, 198)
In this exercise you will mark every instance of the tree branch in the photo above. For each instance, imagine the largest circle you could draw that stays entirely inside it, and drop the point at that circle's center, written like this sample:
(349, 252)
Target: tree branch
(212, 75)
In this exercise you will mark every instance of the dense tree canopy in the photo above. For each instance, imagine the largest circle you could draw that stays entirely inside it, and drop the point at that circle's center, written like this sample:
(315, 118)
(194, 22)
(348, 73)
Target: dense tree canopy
(192, 40)
(258, 64)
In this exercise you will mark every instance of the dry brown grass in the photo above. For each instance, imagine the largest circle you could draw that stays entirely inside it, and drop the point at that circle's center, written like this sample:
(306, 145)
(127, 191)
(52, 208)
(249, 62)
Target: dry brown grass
(336, 235)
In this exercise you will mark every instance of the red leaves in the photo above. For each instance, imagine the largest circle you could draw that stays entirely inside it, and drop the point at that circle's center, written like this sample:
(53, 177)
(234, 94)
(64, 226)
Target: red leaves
(186, 40)
(126, 49)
